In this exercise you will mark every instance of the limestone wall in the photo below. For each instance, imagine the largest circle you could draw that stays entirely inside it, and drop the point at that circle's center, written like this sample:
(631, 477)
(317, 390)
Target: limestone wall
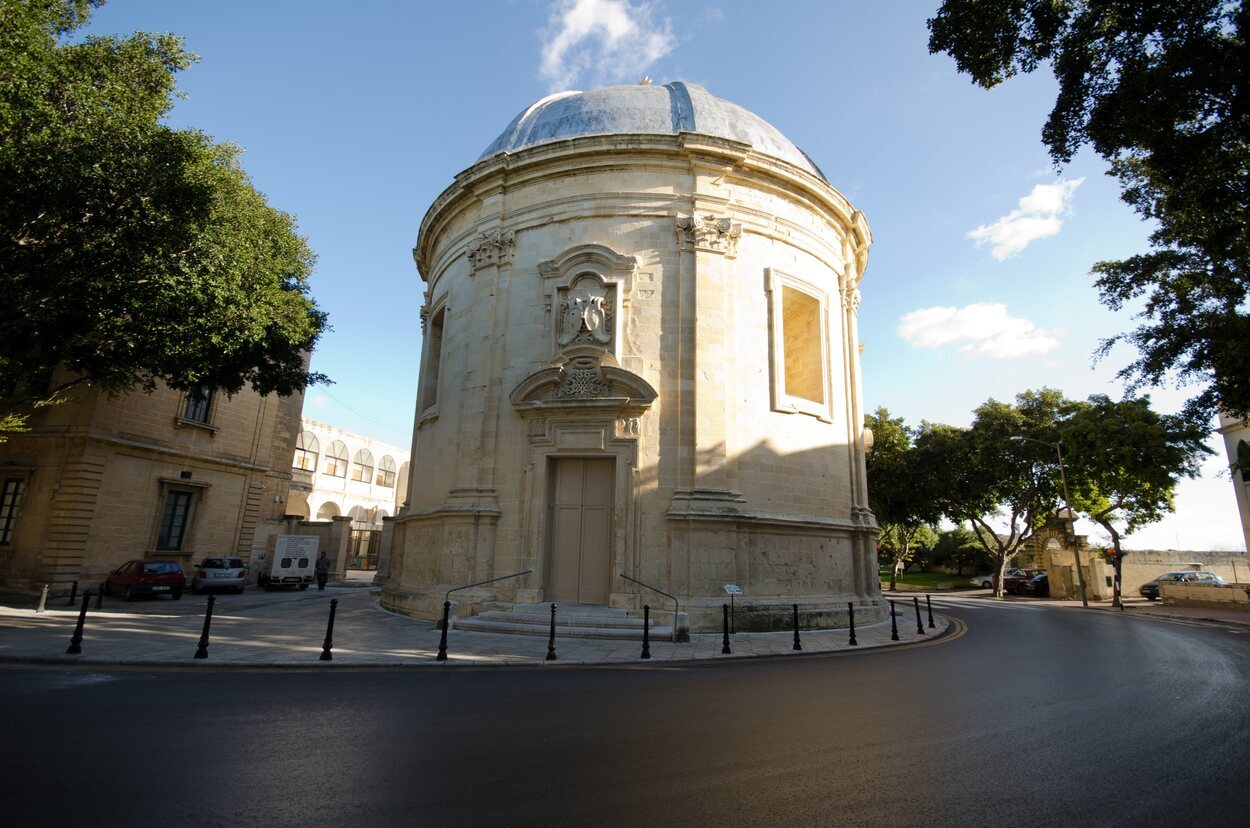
(721, 474)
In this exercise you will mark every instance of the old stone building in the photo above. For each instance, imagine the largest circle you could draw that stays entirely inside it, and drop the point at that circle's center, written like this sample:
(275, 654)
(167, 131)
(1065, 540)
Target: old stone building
(1236, 434)
(640, 359)
(99, 481)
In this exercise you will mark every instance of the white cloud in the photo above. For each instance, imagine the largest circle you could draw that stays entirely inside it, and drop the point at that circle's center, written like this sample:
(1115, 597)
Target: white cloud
(1039, 216)
(985, 329)
(606, 40)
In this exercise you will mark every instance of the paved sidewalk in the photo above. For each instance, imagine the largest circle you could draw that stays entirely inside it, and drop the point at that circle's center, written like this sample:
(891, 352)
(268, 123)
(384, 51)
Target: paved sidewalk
(287, 629)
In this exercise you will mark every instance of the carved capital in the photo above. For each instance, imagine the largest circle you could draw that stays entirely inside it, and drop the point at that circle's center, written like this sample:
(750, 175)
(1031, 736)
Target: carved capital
(713, 234)
(491, 248)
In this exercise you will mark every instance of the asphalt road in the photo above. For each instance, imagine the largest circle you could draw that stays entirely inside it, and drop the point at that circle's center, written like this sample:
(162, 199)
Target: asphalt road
(1034, 716)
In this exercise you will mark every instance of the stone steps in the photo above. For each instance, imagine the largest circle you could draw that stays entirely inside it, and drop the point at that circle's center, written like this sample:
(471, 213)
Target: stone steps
(572, 621)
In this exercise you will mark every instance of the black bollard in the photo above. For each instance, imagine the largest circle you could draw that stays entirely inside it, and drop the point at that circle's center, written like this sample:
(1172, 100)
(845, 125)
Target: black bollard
(851, 608)
(73, 593)
(99, 597)
(919, 625)
(202, 650)
(75, 642)
(893, 623)
(43, 599)
(724, 647)
(929, 604)
(646, 630)
(551, 638)
(329, 642)
(797, 645)
(442, 642)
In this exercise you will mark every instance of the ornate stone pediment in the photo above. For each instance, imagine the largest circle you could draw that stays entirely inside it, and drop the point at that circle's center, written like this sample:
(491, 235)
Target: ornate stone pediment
(583, 382)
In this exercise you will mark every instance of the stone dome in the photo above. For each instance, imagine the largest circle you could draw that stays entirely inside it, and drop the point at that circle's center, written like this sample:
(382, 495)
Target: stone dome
(643, 109)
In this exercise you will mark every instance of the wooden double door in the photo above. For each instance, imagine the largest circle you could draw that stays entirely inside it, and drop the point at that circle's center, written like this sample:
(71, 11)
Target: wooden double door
(579, 527)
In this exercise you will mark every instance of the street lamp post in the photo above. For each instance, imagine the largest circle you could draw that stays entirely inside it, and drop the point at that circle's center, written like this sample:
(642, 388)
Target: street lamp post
(1063, 478)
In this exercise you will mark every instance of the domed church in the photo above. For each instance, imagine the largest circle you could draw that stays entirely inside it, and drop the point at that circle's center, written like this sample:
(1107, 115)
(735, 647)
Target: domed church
(640, 373)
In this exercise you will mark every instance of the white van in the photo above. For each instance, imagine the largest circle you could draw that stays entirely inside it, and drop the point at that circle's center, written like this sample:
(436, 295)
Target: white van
(292, 564)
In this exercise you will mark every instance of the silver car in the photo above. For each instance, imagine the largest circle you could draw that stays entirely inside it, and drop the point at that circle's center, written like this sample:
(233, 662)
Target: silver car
(219, 573)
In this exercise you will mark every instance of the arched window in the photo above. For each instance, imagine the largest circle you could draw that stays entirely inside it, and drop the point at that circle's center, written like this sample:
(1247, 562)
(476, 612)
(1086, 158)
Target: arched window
(306, 449)
(386, 472)
(336, 460)
(362, 466)
(328, 510)
(359, 516)
(1243, 460)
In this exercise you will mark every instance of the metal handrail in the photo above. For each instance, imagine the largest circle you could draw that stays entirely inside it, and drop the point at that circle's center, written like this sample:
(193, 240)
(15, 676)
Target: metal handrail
(447, 596)
(676, 603)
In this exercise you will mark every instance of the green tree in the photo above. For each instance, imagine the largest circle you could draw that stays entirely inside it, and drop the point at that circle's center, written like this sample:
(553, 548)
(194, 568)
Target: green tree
(978, 476)
(959, 548)
(1157, 88)
(1124, 461)
(131, 253)
(901, 514)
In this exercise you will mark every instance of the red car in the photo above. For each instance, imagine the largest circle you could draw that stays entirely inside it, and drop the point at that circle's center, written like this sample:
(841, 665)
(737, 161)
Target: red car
(1015, 580)
(146, 578)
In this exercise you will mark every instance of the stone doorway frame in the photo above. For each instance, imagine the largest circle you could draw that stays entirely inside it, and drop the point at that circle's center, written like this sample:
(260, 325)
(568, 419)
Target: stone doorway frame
(549, 527)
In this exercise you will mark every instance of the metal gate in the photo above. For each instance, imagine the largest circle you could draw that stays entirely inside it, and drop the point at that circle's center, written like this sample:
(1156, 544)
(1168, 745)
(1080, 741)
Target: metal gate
(362, 553)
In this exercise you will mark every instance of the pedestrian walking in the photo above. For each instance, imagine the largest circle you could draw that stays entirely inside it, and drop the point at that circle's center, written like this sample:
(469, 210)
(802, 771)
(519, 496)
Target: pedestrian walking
(323, 571)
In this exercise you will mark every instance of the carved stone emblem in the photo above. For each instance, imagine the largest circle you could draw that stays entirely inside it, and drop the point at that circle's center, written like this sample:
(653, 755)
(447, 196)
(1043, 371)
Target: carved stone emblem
(717, 234)
(492, 248)
(629, 427)
(582, 381)
(587, 314)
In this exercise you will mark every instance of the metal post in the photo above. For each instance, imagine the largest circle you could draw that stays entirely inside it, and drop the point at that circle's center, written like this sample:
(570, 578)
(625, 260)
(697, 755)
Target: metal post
(551, 641)
(724, 647)
(732, 618)
(442, 641)
(202, 650)
(75, 642)
(1076, 549)
(329, 642)
(99, 597)
(646, 631)
(797, 645)
(893, 623)
(43, 599)
(919, 624)
(851, 607)
(929, 604)
(73, 593)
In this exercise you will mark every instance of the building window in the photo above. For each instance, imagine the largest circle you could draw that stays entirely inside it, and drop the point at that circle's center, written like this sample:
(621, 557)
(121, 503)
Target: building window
(336, 460)
(10, 500)
(386, 472)
(175, 516)
(1243, 460)
(799, 346)
(362, 466)
(433, 360)
(306, 449)
(198, 405)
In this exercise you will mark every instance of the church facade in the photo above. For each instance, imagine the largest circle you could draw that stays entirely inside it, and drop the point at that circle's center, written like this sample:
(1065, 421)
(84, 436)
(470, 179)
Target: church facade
(640, 364)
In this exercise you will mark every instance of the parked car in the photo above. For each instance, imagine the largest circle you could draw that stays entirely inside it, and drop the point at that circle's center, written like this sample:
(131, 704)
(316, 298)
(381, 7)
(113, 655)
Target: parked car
(1038, 585)
(1014, 580)
(1150, 589)
(220, 573)
(135, 578)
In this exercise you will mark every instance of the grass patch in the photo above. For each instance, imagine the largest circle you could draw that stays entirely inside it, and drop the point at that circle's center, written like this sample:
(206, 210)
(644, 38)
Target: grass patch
(927, 580)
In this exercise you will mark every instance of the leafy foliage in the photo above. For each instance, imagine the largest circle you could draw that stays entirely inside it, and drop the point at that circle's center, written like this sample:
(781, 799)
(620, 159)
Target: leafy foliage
(979, 476)
(132, 253)
(1157, 88)
(902, 515)
(1125, 460)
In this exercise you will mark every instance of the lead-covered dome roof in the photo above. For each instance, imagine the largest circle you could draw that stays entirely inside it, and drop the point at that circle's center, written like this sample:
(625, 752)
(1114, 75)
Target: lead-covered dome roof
(644, 109)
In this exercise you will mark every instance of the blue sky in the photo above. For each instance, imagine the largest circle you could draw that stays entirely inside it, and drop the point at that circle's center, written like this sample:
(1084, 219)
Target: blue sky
(355, 116)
